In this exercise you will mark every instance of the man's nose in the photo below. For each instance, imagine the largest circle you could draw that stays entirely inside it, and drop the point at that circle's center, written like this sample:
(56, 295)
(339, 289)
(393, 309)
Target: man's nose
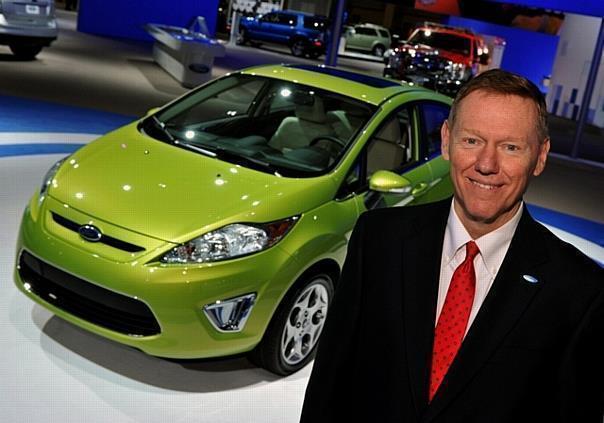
(487, 161)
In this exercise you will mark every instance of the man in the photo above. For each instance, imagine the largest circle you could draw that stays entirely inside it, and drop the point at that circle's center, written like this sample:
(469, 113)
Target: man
(466, 310)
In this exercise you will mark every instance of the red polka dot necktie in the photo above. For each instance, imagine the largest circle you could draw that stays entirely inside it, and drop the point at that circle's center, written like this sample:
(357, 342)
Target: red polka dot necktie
(453, 320)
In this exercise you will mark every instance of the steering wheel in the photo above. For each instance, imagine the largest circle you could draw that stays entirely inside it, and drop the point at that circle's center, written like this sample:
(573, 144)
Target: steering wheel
(329, 138)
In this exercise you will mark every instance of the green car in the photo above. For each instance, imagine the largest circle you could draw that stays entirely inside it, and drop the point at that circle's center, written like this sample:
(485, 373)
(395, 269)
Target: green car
(218, 224)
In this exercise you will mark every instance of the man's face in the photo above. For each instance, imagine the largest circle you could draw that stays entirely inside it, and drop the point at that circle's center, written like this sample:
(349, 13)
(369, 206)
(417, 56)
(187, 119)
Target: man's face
(494, 150)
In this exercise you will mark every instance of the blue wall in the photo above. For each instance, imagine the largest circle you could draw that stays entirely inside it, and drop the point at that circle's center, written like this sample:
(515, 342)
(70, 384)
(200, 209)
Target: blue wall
(126, 18)
(527, 53)
(581, 7)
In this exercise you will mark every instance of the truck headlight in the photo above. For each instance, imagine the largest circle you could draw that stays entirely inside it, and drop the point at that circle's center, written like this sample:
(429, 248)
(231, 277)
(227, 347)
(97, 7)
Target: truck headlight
(234, 240)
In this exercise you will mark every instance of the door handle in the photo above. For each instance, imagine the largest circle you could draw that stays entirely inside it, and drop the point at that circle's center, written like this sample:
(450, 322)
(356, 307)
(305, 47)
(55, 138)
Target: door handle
(420, 189)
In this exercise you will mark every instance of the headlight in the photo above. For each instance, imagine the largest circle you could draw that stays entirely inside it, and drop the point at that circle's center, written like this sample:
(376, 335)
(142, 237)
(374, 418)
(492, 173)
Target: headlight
(48, 178)
(231, 241)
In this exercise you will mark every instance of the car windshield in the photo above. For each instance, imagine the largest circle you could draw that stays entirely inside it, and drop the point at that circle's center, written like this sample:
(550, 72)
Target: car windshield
(441, 40)
(267, 124)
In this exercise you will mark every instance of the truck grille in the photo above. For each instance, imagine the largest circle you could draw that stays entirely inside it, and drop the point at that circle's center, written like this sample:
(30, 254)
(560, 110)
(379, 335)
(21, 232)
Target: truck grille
(86, 300)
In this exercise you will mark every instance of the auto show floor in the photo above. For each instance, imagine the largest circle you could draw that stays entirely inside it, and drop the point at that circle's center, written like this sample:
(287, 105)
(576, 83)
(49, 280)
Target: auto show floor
(52, 371)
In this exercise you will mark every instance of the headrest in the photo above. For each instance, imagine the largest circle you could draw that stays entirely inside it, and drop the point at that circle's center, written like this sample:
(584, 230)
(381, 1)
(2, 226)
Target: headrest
(391, 132)
(314, 112)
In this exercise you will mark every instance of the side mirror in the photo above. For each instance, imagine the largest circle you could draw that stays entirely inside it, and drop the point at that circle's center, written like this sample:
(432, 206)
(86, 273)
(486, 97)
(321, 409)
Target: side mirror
(389, 182)
(152, 111)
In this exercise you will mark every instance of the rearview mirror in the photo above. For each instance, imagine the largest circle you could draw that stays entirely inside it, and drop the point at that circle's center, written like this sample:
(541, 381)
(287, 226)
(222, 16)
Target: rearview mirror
(389, 182)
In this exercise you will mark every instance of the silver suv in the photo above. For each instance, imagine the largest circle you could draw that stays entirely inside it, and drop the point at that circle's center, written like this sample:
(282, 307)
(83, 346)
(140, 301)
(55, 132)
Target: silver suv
(368, 38)
(27, 25)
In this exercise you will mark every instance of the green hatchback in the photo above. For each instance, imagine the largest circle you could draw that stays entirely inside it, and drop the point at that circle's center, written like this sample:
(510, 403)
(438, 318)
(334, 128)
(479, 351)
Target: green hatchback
(218, 224)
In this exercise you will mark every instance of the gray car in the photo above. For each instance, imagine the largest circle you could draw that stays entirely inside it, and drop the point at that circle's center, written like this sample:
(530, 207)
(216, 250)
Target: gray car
(27, 26)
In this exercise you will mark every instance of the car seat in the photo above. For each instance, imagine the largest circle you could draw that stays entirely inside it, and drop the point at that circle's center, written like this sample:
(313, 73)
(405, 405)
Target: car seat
(309, 122)
(389, 149)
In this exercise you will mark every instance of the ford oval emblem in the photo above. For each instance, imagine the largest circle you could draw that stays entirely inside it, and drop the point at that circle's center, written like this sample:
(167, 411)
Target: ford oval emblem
(90, 233)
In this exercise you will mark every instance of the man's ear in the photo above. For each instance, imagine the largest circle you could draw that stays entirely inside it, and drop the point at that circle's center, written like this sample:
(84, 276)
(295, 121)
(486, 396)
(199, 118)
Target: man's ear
(542, 157)
(444, 140)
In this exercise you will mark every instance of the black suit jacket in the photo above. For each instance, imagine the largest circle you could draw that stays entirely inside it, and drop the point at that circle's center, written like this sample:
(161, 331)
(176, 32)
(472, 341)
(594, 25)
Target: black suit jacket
(534, 352)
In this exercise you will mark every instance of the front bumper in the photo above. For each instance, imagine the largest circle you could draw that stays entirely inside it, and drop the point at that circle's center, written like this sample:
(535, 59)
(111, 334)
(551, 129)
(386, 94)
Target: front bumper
(172, 296)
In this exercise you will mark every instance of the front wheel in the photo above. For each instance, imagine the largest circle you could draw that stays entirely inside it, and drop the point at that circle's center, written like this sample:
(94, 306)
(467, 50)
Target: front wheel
(25, 52)
(291, 338)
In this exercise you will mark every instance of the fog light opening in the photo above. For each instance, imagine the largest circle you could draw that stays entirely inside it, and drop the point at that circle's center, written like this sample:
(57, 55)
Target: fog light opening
(230, 315)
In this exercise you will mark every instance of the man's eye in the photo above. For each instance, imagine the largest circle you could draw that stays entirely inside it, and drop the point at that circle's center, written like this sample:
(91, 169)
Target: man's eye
(471, 141)
(511, 147)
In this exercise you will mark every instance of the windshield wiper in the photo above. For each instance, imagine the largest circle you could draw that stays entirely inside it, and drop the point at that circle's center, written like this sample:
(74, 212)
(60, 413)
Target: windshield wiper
(203, 151)
(162, 126)
(223, 153)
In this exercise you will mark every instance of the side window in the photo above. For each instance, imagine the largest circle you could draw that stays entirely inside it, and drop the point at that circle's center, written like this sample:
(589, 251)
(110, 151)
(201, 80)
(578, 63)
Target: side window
(433, 116)
(384, 34)
(269, 18)
(391, 147)
(365, 31)
(285, 19)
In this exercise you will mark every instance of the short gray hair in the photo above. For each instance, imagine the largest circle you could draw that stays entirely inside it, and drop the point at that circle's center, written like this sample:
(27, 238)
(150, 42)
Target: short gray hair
(498, 81)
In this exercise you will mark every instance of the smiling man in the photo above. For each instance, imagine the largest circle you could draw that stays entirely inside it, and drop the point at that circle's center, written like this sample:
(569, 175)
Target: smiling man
(466, 310)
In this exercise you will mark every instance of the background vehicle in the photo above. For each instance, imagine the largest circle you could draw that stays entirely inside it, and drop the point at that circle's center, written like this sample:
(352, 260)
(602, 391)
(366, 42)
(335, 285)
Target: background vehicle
(303, 33)
(27, 26)
(438, 57)
(218, 224)
(369, 38)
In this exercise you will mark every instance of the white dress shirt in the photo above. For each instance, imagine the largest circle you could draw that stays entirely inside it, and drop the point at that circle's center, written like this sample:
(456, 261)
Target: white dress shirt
(493, 248)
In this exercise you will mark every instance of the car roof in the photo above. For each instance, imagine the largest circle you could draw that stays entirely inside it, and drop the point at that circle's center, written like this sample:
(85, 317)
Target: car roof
(370, 25)
(370, 89)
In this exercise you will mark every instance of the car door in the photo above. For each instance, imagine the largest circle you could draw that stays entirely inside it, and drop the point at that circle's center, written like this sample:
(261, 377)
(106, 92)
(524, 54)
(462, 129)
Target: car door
(393, 146)
(266, 27)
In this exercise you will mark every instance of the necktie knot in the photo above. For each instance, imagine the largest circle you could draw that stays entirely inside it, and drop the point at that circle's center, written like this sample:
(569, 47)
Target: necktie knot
(471, 250)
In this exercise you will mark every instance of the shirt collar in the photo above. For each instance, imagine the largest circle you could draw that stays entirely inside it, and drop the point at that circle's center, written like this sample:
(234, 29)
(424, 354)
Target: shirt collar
(492, 245)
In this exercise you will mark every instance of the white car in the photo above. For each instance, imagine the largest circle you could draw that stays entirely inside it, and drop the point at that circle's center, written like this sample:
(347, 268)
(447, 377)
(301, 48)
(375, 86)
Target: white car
(27, 26)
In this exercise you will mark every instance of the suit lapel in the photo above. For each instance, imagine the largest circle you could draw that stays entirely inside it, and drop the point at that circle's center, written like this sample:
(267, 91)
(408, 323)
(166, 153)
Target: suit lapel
(421, 257)
(504, 305)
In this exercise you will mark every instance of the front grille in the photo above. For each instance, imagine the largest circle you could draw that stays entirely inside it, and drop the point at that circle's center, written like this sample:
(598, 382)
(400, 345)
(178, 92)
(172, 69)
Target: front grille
(105, 239)
(86, 300)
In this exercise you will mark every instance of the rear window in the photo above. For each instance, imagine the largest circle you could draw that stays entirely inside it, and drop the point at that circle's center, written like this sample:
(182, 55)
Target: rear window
(315, 22)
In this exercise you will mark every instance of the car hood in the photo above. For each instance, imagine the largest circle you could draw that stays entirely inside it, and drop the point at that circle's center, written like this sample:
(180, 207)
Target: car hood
(166, 192)
(448, 55)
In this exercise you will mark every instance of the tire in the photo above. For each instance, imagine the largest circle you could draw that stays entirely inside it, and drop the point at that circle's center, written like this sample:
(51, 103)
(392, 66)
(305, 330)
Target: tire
(242, 37)
(378, 50)
(25, 52)
(298, 47)
(291, 338)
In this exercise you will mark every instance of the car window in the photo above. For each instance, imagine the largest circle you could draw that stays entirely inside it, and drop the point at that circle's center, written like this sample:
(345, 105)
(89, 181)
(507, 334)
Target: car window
(383, 33)
(314, 22)
(365, 31)
(298, 129)
(286, 19)
(432, 115)
(391, 147)
(269, 17)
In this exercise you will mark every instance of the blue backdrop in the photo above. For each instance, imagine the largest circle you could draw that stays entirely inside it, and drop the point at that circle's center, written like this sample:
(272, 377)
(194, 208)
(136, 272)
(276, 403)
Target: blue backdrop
(581, 7)
(527, 53)
(126, 18)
